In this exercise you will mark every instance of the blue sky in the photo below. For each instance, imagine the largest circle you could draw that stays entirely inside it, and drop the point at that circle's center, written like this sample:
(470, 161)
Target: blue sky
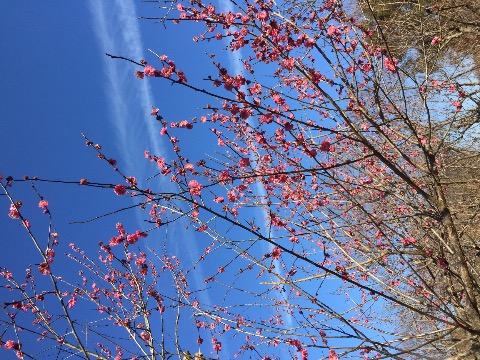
(58, 83)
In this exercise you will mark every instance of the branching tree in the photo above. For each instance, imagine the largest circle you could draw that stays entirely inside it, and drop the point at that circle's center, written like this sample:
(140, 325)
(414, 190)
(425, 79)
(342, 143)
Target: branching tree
(339, 208)
(427, 33)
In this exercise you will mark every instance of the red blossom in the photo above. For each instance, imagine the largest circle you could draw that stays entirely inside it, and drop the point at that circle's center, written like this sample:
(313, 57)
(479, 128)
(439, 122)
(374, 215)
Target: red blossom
(263, 16)
(332, 355)
(132, 239)
(149, 71)
(232, 196)
(72, 302)
(10, 344)
(443, 263)
(44, 268)
(436, 40)
(408, 241)
(457, 105)
(50, 252)
(325, 146)
(195, 187)
(14, 214)
(333, 31)
(391, 64)
(224, 176)
(276, 253)
(161, 163)
(120, 189)
(244, 162)
(167, 71)
(217, 346)
(202, 228)
(181, 77)
(132, 181)
(145, 335)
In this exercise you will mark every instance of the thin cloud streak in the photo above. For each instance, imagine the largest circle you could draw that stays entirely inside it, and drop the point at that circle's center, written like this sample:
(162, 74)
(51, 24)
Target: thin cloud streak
(118, 33)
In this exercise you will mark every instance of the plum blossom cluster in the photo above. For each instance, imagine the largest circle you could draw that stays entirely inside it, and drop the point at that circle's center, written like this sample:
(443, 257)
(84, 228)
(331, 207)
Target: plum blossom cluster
(167, 71)
(124, 237)
(195, 188)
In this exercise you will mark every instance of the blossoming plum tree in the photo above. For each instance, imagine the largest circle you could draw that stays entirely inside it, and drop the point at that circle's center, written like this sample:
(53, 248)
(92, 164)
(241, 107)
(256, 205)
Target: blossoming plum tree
(331, 210)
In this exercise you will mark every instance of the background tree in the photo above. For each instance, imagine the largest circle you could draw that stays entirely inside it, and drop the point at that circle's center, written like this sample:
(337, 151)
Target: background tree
(427, 33)
(331, 207)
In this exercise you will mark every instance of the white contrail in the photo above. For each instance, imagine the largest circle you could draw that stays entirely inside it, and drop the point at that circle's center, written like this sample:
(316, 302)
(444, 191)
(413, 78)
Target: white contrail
(115, 25)
(118, 33)
(130, 99)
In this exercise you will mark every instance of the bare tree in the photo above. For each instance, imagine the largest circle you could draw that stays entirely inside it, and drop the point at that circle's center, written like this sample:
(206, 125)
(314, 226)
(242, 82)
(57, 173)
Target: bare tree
(426, 33)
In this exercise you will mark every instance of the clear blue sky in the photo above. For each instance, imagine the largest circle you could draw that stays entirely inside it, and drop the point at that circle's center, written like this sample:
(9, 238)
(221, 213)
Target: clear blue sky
(56, 84)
